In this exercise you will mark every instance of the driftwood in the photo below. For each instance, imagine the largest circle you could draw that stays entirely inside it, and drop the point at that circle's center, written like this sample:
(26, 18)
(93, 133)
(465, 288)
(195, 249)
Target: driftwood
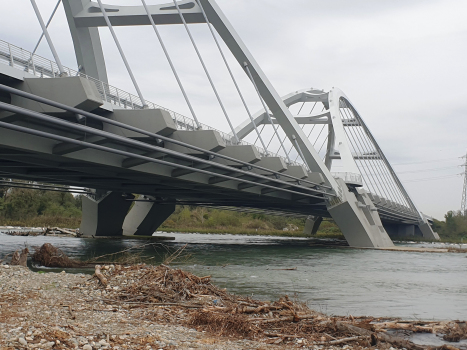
(20, 259)
(344, 340)
(50, 256)
(434, 328)
(222, 313)
(375, 337)
(100, 276)
(293, 318)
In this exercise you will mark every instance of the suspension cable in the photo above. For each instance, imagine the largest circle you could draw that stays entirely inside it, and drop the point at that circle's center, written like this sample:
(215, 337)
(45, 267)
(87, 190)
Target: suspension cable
(384, 180)
(302, 108)
(389, 184)
(360, 167)
(117, 43)
(361, 151)
(323, 143)
(45, 32)
(174, 71)
(257, 138)
(47, 26)
(231, 74)
(314, 125)
(366, 178)
(266, 109)
(360, 130)
(314, 143)
(206, 72)
(302, 126)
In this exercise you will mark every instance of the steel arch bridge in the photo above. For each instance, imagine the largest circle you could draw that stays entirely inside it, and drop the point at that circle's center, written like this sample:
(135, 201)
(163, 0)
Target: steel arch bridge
(71, 128)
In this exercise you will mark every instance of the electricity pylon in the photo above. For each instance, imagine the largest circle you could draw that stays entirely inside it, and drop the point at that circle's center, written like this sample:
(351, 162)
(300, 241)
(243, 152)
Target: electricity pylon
(464, 191)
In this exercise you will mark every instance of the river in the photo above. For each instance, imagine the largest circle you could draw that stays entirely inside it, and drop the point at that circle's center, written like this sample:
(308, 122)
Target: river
(330, 277)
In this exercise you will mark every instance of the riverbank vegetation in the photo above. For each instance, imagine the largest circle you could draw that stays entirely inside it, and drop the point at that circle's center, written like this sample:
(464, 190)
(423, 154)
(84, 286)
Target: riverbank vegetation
(207, 220)
(34, 208)
(453, 228)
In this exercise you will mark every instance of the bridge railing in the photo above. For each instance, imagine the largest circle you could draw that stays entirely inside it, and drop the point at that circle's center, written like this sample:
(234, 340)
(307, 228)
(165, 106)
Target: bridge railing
(349, 178)
(41, 67)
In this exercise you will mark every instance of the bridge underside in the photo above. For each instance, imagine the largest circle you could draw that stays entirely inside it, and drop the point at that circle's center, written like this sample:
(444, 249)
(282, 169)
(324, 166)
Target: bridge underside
(26, 164)
(21, 160)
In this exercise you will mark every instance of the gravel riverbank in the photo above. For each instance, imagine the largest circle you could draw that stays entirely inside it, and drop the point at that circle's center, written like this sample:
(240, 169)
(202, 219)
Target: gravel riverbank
(57, 310)
(117, 309)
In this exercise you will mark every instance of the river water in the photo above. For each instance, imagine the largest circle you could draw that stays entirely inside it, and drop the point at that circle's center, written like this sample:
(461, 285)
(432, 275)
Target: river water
(328, 276)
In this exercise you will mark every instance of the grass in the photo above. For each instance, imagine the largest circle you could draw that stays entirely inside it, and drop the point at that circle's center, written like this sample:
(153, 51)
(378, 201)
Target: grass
(43, 221)
(250, 232)
(201, 220)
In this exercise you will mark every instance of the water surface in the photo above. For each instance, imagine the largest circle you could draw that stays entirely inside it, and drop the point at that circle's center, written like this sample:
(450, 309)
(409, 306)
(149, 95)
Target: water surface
(330, 277)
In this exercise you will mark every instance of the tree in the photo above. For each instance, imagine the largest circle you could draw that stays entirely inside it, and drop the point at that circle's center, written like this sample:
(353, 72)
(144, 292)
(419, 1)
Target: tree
(451, 225)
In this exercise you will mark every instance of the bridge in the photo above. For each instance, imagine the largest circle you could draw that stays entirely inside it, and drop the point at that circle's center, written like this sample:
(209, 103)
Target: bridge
(68, 127)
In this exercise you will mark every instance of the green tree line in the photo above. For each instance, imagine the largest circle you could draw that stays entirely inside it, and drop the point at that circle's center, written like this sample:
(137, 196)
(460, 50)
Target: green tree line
(453, 228)
(26, 207)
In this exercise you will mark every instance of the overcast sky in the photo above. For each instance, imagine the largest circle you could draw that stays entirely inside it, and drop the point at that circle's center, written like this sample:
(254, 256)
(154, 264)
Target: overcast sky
(401, 63)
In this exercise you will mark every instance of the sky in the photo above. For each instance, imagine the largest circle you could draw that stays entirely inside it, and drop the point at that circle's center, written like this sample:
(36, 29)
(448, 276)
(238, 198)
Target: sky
(401, 63)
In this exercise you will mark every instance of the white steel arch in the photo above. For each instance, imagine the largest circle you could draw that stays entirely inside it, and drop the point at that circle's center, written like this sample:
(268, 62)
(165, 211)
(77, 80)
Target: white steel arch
(340, 146)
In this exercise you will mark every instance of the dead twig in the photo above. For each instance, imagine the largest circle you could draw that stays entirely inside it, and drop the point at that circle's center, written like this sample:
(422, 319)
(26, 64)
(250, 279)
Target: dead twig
(90, 261)
(343, 340)
(100, 276)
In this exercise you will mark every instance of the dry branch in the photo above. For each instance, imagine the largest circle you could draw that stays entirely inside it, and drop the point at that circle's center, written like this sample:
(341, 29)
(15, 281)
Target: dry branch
(397, 341)
(20, 259)
(344, 340)
(100, 276)
(50, 256)
(173, 294)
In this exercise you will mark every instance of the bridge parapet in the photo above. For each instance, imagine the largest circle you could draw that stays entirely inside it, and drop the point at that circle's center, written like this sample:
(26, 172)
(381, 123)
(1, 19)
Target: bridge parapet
(351, 179)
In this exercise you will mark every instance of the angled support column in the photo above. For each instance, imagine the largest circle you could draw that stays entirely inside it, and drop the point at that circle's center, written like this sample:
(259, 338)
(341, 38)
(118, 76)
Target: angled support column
(427, 232)
(358, 219)
(312, 224)
(145, 217)
(104, 216)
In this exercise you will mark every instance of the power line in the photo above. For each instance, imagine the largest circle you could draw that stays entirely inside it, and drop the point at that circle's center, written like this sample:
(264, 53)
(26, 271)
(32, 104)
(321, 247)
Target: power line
(424, 170)
(464, 191)
(427, 161)
(434, 178)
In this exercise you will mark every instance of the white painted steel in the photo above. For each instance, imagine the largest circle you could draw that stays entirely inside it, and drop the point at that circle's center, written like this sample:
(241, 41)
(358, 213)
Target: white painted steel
(47, 37)
(122, 54)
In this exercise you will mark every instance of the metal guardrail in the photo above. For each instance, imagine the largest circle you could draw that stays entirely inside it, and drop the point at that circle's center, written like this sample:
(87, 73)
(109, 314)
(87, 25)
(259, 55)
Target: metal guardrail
(41, 67)
(351, 178)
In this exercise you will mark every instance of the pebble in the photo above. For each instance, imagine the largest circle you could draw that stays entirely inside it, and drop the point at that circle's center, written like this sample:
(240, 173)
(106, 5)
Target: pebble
(46, 317)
